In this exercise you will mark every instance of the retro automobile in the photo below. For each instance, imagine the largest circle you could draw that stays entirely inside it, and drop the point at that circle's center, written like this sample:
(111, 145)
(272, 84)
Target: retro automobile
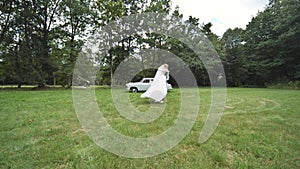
(142, 85)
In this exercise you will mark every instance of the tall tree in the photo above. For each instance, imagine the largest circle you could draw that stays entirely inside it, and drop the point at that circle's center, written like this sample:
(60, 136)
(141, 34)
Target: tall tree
(45, 15)
(287, 39)
(232, 56)
(8, 13)
(272, 43)
(25, 39)
(77, 19)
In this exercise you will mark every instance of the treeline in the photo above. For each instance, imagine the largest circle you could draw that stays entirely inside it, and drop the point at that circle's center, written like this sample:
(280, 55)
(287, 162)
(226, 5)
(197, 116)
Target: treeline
(267, 52)
(41, 39)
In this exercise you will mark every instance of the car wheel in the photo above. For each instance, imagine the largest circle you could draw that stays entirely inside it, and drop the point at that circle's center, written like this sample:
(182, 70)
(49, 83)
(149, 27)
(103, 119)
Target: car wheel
(134, 89)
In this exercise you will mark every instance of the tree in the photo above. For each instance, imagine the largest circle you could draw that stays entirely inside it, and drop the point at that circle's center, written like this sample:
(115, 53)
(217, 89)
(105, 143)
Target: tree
(271, 40)
(112, 10)
(44, 15)
(77, 19)
(25, 37)
(232, 56)
(7, 12)
(287, 42)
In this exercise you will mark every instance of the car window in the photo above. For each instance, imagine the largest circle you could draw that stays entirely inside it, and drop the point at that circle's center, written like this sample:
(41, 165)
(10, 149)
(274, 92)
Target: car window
(146, 81)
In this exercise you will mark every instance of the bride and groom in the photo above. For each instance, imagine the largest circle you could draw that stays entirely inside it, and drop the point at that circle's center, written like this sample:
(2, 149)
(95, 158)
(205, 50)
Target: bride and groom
(158, 89)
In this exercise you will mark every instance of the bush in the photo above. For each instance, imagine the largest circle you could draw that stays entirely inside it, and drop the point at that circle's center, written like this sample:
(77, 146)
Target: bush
(285, 85)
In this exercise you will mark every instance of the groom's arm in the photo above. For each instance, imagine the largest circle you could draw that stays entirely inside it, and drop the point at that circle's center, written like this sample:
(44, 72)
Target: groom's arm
(167, 76)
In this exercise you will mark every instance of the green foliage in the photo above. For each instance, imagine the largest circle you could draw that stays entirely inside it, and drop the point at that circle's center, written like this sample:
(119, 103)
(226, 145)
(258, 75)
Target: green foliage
(284, 85)
(25, 44)
(40, 41)
(76, 16)
(271, 43)
(232, 57)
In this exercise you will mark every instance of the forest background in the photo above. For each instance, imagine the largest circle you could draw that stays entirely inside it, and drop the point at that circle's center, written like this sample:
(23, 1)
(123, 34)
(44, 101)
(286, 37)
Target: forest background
(41, 39)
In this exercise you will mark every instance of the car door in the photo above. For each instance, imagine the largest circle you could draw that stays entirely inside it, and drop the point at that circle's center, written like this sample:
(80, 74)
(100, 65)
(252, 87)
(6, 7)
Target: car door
(145, 84)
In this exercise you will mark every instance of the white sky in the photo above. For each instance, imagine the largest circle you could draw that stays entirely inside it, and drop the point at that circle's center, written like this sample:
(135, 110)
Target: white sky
(223, 14)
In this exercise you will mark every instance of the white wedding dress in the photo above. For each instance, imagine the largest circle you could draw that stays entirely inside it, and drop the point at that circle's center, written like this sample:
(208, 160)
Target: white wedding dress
(158, 89)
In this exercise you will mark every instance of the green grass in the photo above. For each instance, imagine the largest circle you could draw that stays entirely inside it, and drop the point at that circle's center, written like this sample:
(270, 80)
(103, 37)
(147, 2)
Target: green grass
(259, 129)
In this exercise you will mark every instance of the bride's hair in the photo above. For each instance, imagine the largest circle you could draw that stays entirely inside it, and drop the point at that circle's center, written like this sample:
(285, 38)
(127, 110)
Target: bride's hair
(166, 66)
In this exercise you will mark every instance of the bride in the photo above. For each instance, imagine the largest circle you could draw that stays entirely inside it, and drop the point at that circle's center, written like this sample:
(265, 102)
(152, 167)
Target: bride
(158, 89)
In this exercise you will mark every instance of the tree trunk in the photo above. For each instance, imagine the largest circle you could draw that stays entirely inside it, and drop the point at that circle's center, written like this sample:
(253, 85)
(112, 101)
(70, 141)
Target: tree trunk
(54, 81)
(111, 67)
(69, 81)
(41, 85)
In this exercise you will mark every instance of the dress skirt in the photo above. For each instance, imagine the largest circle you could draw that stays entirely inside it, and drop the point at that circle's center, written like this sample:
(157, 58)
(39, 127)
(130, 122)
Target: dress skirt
(158, 88)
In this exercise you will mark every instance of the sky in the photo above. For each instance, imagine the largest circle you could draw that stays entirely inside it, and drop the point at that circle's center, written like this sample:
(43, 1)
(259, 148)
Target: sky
(223, 14)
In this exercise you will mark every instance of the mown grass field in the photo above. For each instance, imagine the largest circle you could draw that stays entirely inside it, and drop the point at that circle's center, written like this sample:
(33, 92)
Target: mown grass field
(259, 129)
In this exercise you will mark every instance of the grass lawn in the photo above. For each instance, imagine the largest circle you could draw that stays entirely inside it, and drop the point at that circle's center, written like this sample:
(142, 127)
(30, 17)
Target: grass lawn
(259, 129)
